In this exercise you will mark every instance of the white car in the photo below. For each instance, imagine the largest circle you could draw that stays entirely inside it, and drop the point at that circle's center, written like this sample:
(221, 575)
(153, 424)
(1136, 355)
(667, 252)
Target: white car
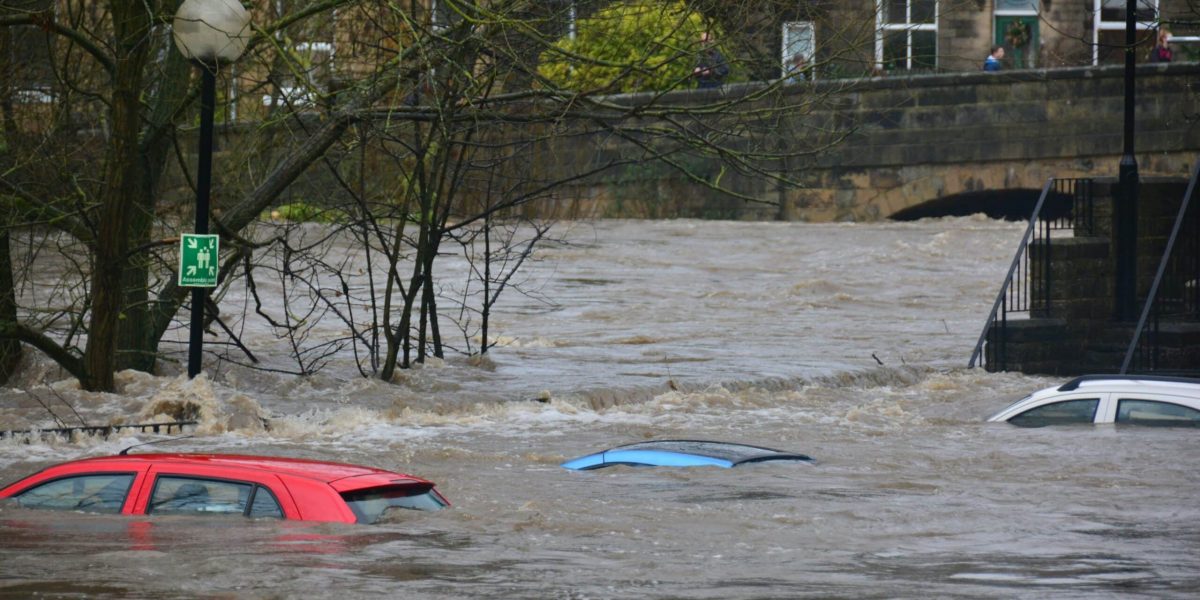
(1122, 399)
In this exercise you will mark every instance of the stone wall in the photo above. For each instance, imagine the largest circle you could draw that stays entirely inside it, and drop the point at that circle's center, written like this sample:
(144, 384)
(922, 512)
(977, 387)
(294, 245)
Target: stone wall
(1068, 41)
(908, 141)
(911, 140)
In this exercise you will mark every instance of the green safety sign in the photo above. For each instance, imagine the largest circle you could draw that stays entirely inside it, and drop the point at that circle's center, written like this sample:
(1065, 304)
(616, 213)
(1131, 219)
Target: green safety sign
(198, 260)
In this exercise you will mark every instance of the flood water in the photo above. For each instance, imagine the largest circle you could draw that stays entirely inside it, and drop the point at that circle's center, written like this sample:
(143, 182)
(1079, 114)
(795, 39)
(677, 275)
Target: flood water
(845, 342)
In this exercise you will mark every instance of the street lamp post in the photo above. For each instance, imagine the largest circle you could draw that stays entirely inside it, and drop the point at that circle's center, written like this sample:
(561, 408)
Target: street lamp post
(210, 33)
(1126, 213)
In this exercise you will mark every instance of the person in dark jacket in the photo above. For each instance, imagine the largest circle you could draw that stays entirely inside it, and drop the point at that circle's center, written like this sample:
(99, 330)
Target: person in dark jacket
(711, 68)
(1161, 52)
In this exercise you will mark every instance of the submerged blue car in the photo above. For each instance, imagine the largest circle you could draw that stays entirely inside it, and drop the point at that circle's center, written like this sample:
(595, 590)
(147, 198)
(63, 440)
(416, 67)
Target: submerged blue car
(682, 453)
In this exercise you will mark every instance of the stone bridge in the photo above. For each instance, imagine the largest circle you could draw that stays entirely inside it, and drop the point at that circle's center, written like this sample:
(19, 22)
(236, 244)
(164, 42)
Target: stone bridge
(934, 144)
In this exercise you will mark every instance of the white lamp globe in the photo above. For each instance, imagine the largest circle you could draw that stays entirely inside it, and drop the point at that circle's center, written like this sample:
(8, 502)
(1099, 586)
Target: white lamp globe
(211, 31)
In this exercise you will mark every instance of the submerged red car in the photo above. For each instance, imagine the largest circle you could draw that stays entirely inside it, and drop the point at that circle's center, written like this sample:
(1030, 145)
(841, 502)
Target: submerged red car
(224, 484)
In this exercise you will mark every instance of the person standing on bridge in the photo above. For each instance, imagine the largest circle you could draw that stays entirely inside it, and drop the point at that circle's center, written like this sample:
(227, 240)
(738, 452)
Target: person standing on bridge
(797, 69)
(1161, 52)
(711, 68)
(992, 62)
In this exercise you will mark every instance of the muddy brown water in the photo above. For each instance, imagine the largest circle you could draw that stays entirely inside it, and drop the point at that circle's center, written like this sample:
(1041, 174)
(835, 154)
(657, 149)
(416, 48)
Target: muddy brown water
(754, 332)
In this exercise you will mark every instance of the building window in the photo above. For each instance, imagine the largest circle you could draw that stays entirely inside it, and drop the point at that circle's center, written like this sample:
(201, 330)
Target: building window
(302, 83)
(443, 15)
(799, 49)
(1108, 27)
(30, 66)
(906, 34)
(307, 67)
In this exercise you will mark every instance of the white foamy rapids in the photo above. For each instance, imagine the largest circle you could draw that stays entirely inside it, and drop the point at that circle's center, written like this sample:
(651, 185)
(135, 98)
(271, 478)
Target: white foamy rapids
(623, 313)
(141, 399)
(874, 399)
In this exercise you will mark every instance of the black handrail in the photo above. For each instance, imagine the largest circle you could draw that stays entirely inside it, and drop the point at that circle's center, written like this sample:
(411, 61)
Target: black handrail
(1162, 268)
(1001, 298)
(101, 430)
(1015, 293)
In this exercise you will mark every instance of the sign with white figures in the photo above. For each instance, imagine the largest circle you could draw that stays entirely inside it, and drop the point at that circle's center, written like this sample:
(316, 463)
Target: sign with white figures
(198, 260)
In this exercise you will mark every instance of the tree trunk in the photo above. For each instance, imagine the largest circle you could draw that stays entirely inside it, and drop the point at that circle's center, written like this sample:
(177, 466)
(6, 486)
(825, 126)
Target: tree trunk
(10, 349)
(138, 338)
(435, 334)
(131, 28)
(136, 344)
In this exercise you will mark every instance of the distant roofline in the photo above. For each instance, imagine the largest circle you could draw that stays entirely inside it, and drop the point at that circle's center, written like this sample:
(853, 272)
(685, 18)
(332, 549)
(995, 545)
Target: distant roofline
(1074, 384)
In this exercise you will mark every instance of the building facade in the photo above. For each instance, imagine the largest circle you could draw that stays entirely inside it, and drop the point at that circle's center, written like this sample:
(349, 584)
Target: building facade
(302, 63)
(956, 35)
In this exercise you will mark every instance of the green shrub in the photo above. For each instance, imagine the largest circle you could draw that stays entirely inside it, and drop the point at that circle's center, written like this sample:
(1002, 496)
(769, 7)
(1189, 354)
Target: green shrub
(633, 46)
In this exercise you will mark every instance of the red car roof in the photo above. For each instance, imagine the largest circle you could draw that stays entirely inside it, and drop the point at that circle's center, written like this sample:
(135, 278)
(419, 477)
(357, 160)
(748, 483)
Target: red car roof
(319, 470)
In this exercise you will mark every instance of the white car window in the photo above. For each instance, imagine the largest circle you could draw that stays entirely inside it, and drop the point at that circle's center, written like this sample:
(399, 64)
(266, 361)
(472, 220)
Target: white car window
(1059, 413)
(1150, 412)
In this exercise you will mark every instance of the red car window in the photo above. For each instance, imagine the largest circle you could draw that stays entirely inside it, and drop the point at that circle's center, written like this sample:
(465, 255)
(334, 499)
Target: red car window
(177, 495)
(228, 490)
(186, 496)
(263, 505)
(372, 504)
(94, 492)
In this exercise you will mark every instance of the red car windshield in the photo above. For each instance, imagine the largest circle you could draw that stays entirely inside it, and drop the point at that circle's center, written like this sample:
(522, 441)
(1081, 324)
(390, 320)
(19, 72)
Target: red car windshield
(371, 504)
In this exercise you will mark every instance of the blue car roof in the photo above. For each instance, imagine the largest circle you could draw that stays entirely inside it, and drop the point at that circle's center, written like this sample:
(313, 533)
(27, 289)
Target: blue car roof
(682, 453)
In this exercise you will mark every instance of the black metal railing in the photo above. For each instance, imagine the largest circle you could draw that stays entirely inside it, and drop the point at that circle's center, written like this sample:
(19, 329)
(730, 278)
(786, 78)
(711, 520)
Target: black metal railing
(1065, 204)
(1174, 295)
(103, 431)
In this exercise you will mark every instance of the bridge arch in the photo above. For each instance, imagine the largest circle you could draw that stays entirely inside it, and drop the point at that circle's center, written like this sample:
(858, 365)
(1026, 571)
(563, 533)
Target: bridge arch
(1002, 189)
(1007, 204)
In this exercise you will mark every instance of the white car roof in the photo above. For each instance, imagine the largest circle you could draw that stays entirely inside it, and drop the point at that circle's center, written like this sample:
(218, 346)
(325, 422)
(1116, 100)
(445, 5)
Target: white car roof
(1186, 390)
(1132, 384)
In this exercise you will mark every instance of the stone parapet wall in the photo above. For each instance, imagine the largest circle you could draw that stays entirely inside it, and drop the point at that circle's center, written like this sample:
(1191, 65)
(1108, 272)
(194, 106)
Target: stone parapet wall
(908, 141)
(920, 138)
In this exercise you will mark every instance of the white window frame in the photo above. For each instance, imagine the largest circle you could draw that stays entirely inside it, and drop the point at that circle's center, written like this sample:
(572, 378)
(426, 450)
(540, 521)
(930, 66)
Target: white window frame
(34, 95)
(1028, 12)
(572, 17)
(1099, 25)
(881, 28)
(300, 94)
(435, 23)
(788, 45)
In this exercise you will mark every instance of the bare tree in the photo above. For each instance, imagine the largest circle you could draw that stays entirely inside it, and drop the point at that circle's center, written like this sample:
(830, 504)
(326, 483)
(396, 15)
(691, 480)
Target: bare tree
(405, 125)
